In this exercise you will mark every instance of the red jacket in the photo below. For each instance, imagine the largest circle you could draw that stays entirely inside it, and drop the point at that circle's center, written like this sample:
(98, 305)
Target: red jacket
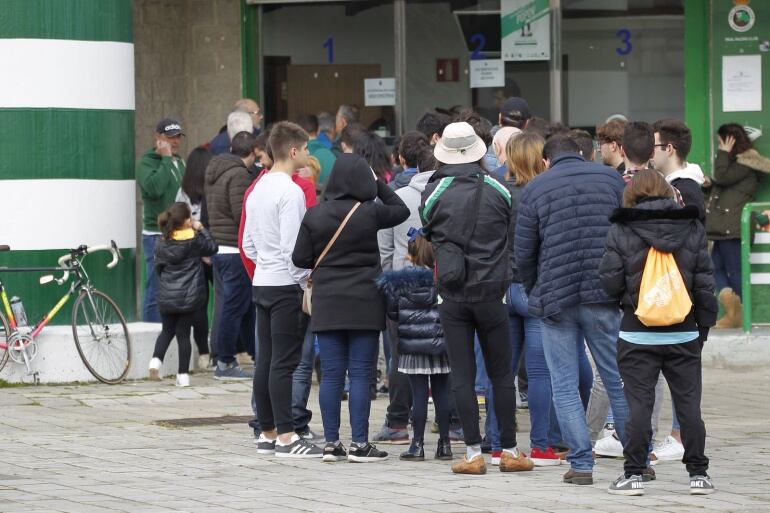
(310, 201)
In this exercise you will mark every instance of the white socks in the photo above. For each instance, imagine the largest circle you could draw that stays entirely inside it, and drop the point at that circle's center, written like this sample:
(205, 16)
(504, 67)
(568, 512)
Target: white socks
(294, 438)
(512, 451)
(471, 451)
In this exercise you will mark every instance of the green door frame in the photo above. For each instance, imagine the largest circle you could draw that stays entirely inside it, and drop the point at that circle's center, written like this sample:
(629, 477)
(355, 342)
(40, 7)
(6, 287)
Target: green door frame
(251, 65)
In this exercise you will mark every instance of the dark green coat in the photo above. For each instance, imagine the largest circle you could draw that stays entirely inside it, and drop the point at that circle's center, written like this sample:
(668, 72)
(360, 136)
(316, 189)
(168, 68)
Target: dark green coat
(735, 183)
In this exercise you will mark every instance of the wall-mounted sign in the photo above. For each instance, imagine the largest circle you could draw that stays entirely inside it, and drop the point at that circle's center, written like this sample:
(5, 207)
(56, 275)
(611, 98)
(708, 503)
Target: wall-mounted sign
(379, 92)
(526, 30)
(741, 83)
(487, 73)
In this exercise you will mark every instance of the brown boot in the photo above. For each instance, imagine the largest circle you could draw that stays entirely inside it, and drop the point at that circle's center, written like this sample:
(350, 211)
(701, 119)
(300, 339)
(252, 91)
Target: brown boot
(476, 466)
(733, 317)
(579, 478)
(511, 463)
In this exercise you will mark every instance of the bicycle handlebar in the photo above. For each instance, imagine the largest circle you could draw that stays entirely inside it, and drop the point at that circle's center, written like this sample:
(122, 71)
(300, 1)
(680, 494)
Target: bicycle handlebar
(85, 250)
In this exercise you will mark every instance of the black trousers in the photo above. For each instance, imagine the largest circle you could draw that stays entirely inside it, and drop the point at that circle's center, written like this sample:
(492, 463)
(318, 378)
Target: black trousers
(176, 325)
(439, 387)
(399, 391)
(490, 320)
(640, 366)
(281, 325)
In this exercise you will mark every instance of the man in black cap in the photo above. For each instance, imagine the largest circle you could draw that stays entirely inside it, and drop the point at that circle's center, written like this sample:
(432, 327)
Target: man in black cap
(159, 175)
(514, 112)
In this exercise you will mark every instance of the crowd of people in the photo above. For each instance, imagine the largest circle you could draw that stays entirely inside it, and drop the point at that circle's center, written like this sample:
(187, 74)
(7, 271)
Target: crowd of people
(482, 255)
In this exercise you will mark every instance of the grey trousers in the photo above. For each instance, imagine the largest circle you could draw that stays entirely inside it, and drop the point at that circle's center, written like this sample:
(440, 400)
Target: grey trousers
(599, 406)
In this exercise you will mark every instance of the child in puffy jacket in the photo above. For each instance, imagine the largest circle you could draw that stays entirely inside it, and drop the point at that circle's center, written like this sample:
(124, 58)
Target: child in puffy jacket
(413, 303)
(182, 289)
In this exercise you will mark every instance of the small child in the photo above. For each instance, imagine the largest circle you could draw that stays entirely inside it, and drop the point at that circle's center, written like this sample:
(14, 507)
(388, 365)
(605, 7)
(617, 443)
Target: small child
(413, 303)
(182, 289)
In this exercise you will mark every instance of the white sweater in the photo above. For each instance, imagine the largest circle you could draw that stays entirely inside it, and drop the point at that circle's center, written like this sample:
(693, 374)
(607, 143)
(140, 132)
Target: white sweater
(274, 212)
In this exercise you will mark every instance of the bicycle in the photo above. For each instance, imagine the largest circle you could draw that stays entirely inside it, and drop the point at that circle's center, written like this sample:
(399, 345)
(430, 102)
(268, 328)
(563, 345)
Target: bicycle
(98, 325)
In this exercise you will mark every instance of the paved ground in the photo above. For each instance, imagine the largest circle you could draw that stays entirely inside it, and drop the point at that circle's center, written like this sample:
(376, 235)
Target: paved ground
(95, 448)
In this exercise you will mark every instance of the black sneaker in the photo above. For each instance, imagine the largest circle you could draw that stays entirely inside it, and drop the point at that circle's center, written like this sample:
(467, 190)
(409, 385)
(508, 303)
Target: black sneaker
(389, 435)
(334, 452)
(701, 485)
(265, 445)
(299, 448)
(627, 485)
(365, 453)
(648, 474)
(308, 434)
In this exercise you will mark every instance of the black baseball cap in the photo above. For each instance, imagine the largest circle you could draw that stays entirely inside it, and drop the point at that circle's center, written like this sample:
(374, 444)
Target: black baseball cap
(169, 127)
(516, 107)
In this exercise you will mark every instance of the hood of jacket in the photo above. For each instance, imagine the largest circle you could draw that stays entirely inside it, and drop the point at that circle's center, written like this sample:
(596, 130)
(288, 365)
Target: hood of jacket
(420, 180)
(752, 158)
(692, 171)
(174, 251)
(456, 170)
(413, 283)
(660, 222)
(221, 164)
(351, 178)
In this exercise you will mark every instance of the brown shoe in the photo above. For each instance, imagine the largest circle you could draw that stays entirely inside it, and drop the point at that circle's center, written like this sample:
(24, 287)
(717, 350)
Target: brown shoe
(476, 466)
(579, 478)
(733, 317)
(511, 463)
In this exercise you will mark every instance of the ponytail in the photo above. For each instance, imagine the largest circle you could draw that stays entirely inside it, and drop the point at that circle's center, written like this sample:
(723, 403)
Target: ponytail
(173, 218)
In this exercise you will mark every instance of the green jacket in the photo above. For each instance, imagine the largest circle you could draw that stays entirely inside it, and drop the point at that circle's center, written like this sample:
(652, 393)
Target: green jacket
(159, 181)
(735, 183)
(325, 157)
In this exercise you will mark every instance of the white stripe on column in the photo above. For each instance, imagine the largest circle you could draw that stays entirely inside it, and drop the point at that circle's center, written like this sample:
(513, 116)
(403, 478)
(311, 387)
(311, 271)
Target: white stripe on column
(55, 214)
(40, 73)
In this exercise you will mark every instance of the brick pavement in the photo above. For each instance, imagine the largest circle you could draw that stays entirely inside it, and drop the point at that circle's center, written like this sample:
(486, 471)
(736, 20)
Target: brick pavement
(95, 448)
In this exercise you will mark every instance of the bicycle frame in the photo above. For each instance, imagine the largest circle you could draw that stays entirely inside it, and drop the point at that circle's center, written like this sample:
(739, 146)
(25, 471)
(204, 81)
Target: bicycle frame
(76, 286)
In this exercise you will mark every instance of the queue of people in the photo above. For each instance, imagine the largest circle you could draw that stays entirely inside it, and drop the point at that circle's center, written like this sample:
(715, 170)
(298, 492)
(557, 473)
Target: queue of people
(509, 242)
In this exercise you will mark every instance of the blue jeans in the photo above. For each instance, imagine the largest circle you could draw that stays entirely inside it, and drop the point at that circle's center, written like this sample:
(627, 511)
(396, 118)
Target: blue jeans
(726, 256)
(350, 351)
(238, 315)
(150, 311)
(525, 337)
(300, 388)
(562, 343)
(585, 384)
(482, 380)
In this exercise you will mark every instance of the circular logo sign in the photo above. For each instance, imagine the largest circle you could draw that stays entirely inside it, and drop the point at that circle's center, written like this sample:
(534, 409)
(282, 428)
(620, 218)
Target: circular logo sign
(741, 18)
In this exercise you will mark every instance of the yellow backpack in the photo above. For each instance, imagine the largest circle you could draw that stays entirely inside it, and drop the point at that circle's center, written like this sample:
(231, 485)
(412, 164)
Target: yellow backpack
(663, 297)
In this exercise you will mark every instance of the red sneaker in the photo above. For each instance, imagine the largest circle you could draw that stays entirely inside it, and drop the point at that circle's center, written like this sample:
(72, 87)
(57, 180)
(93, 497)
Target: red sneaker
(495, 455)
(544, 457)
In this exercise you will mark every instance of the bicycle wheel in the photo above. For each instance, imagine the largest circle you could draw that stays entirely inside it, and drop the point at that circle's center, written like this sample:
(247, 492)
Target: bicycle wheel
(5, 329)
(101, 336)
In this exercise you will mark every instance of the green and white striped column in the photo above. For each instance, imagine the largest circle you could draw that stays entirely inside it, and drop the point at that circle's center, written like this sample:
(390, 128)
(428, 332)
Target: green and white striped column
(67, 143)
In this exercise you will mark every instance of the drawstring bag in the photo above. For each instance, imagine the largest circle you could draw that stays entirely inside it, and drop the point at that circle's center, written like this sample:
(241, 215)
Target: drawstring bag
(663, 297)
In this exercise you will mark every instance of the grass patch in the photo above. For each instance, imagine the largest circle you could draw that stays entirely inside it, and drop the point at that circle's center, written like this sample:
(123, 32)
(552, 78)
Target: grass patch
(6, 384)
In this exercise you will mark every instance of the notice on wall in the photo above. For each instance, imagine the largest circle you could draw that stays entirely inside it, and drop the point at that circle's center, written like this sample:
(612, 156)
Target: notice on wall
(741, 83)
(526, 30)
(487, 73)
(379, 92)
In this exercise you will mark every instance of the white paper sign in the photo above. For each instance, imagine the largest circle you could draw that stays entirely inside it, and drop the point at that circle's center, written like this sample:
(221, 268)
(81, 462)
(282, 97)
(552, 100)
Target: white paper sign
(487, 73)
(741, 83)
(379, 92)
(525, 27)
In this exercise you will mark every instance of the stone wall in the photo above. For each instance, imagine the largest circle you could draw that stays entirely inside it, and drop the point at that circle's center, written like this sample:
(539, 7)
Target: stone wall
(188, 66)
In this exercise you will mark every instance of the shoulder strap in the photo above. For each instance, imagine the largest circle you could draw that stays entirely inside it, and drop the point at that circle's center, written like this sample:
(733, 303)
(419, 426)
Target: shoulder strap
(335, 236)
(471, 220)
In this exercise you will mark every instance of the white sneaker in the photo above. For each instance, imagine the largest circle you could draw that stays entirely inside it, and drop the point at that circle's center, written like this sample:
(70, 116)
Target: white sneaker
(183, 380)
(203, 363)
(155, 365)
(668, 450)
(609, 447)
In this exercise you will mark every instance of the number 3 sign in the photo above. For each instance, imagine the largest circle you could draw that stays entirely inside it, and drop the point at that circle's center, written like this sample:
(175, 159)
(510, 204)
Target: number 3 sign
(625, 39)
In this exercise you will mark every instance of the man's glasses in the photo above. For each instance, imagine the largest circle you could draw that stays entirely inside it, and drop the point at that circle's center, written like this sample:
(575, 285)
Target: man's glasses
(663, 145)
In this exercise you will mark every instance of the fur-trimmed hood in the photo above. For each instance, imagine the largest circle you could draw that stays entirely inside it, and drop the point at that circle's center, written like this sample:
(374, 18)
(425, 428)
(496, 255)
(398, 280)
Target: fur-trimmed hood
(660, 222)
(405, 282)
(753, 159)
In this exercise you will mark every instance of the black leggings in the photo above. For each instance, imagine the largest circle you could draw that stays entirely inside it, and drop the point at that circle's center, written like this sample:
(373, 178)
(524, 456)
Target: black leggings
(201, 330)
(176, 325)
(439, 386)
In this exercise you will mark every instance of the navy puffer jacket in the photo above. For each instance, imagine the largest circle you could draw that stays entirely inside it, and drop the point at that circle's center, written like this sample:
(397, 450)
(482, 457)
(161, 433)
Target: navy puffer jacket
(562, 223)
(413, 303)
